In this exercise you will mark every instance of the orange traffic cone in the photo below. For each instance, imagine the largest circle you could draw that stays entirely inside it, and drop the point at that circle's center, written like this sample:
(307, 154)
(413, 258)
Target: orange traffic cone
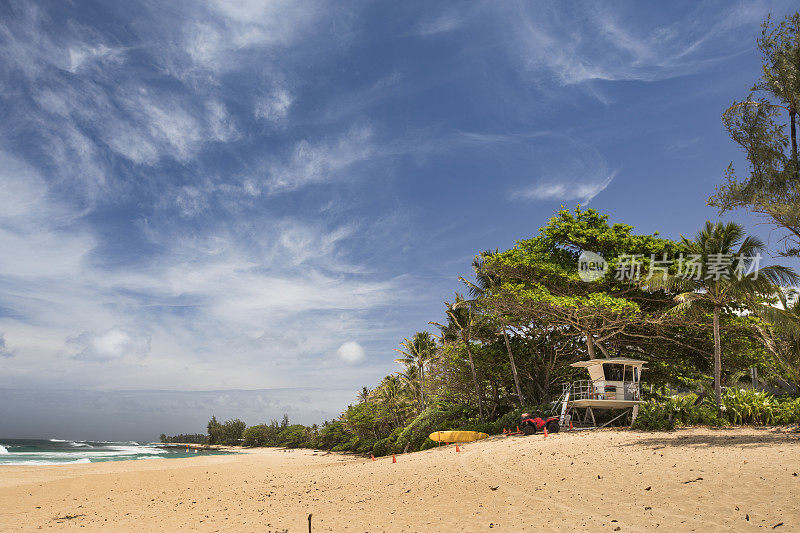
(373, 457)
(457, 448)
(570, 424)
(545, 432)
(517, 429)
(394, 459)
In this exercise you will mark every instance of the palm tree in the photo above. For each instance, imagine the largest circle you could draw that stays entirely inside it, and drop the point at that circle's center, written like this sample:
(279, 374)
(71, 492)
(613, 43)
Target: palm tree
(416, 353)
(726, 256)
(412, 383)
(461, 322)
(486, 283)
(391, 394)
(363, 396)
(782, 338)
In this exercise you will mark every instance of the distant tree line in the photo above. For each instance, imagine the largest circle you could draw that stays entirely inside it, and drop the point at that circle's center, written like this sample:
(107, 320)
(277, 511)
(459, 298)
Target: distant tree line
(193, 438)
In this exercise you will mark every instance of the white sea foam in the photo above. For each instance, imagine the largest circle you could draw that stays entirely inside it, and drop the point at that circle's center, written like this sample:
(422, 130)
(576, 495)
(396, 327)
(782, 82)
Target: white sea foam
(137, 449)
(75, 451)
(28, 463)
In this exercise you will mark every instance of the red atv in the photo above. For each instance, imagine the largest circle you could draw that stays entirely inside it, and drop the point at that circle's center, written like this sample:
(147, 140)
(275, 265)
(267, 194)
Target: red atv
(531, 425)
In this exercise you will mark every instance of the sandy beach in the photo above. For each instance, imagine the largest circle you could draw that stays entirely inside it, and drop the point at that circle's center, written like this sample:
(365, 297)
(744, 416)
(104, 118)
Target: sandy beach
(687, 480)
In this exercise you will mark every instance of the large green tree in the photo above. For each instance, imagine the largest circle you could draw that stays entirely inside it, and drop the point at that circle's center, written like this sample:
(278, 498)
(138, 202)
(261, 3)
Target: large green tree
(758, 125)
(541, 283)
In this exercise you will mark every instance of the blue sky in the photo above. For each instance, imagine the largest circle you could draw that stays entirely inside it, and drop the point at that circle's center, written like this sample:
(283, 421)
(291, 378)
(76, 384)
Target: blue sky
(211, 196)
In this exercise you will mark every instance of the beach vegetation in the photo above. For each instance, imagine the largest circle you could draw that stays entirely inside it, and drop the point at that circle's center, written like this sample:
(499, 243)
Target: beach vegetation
(505, 345)
(758, 124)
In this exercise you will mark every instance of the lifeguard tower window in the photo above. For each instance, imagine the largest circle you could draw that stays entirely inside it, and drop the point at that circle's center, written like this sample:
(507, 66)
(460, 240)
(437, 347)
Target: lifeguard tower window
(615, 372)
(629, 373)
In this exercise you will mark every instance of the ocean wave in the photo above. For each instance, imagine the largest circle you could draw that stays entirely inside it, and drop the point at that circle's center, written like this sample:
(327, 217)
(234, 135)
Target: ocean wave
(74, 443)
(39, 462)
(3, 450)
(137, 449)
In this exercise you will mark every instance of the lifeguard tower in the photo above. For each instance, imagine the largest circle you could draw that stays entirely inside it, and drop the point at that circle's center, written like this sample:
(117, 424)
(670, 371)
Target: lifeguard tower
(612, 384)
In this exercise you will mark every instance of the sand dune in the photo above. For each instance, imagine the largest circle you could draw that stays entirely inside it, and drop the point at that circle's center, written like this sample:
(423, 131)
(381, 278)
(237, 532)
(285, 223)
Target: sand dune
(696, 479)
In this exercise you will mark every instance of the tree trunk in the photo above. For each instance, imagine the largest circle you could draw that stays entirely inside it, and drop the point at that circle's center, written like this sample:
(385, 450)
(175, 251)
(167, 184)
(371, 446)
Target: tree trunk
(475, 380)
(422, 384)
(717, 360)
(590, 345)
(513, 365)
(603, 349)
(792, 126)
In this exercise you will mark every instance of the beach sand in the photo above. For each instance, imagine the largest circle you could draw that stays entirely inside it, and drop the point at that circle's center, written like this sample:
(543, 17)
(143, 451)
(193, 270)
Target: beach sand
(610, 480)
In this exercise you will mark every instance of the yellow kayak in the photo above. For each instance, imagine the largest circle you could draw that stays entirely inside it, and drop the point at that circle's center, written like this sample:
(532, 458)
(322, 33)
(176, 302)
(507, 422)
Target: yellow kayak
(457, 436)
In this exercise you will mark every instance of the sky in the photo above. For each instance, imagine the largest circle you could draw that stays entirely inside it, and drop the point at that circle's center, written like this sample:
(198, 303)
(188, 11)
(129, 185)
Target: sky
(241, 208)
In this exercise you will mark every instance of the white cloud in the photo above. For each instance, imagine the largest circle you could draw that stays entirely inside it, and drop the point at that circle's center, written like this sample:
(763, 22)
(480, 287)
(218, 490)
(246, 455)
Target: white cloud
(444, 23)
(82, 55)
(321, 162)
(5, 351)
(560, 166)
(39, 230)
(582, 191)
(116, 343)
(351, 353)
(217, 34)
(204, 295)
(275, 107)
(594, 42)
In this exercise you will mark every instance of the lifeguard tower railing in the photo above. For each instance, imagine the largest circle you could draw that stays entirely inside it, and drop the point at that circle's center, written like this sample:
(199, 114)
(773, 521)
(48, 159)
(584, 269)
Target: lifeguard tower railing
(586, 389)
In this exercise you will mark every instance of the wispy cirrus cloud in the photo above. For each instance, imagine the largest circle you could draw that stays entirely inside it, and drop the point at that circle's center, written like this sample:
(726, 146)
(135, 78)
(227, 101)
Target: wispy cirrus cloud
(320, 162)
(204, 269)
(597, 42)
(443, 23)
(275, 106)
(216, 35)
(583, 191)
(550, 165)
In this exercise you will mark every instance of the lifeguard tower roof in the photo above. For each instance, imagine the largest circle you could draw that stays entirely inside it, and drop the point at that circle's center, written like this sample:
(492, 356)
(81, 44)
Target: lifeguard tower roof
(612, 361)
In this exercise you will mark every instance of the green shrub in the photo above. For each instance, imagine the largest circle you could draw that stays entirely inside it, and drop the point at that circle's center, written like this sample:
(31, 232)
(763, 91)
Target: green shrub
(658, 415)
(295, 436)
(383, 447)
(365, 446)
(427, 444)
(748, 406)
(435, 418)
(740, 407)
(654, 416)
(788, 411)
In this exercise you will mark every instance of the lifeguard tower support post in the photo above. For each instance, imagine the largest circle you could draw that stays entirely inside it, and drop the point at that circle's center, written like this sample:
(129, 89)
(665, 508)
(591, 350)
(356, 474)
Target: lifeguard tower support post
(613, 384)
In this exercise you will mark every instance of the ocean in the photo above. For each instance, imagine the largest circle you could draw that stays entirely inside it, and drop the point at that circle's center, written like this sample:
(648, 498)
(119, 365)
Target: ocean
(62, 452)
